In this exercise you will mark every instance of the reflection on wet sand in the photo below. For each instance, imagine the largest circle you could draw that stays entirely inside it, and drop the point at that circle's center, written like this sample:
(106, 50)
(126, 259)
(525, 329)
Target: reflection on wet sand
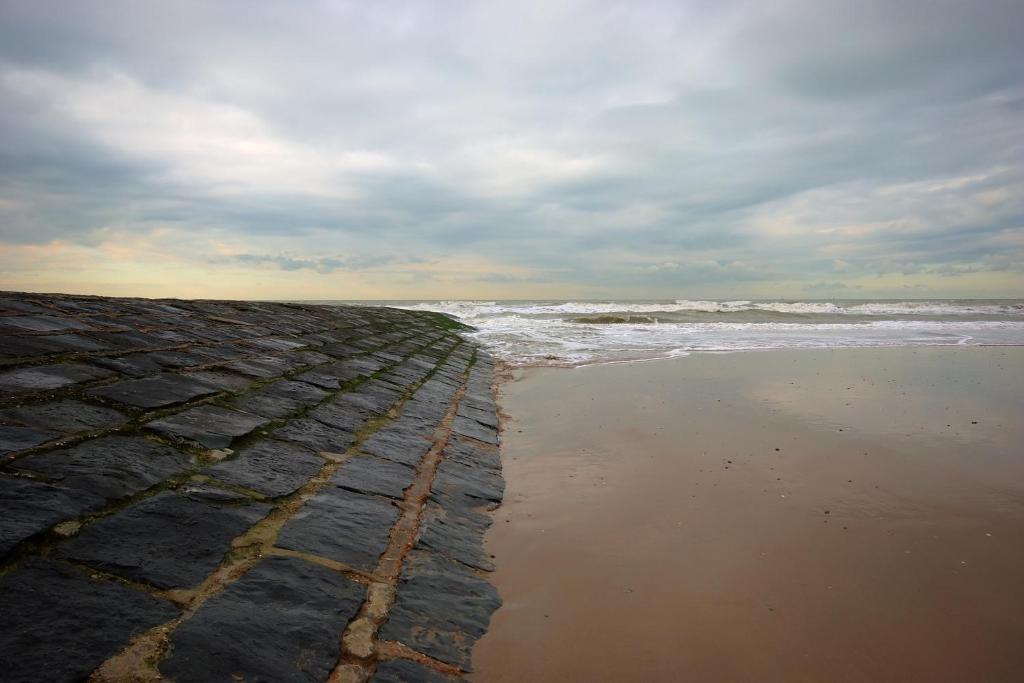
(783, 516)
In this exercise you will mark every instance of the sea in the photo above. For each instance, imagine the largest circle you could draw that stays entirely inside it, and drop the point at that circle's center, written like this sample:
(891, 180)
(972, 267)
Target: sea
(574, 333)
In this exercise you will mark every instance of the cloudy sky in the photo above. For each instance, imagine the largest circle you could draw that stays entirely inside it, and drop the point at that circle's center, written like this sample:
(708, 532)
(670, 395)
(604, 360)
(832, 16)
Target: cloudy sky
(524, 149)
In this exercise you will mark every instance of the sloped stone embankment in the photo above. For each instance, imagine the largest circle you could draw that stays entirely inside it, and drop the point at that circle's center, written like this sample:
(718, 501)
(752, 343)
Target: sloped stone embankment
(225, 491)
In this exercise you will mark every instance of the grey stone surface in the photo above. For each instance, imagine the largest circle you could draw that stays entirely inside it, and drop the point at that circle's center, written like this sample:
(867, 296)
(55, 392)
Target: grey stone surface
(41, 323)
(110, 467)
(264, 368)
(47, 377)
(153, 392)
(342, 417)
(14, 438)
(221, 380)
(273, 468)
(406, 671)
(31, 507)
(315, 435)
(466, 485)
(210, 426)
(457, 532)
(172, 540)
(400, 442)
(473, 429)
(58, 625)
(441, 608)
(368, 474)
(69, 417)
(342, 525)
(282, 621)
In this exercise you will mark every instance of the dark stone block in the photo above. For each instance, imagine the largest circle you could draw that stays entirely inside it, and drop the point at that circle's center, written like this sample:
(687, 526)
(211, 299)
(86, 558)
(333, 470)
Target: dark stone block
(400, 442)
(473, 429)
(69, 417)
(44, 377)
(341, 416)
(134, 365)
(373, 397)
(457, 533)
(153, 392)
(58, 625)
(13, 438)
(441, 608)
(222, 380)
(272, 344)
(76, 343)
(263, 368)
(41, 323)
(368, 474)
(345, 526)
(210, 426)
(259, 403)
(172, 540)
(273, 468)
(31, 507)
(487, 418)
(282, 621)
(295, 391)
(111, 467)
(405, 671)
(466, 485)
(315, 435)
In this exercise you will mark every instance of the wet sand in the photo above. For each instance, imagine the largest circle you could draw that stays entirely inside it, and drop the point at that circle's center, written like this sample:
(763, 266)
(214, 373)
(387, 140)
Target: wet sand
(847, 515)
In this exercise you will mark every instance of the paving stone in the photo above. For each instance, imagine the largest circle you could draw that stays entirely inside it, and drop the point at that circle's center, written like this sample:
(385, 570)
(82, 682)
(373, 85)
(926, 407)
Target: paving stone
(315, 435)
(31, 507)
(368, 474)
(26, 347)
(406, 671)
(473, 429)
(374, 396)
(398, 442)
(172, 540)
(296, 391)
(44, 377)
(14, 438)
(340, 416)
(273, 344)
(75, 343)
(59, 625)
(21, 306)
(41, 323)
(457, 533)
(222, 380)
(153, 392)
(441, 608)
(69, 417)
(110, 467)
(487, 418)
(466, 485)
(272, 407)
(274, 468)
(263, 368)
(342, 525)
(210, 426)
(330, 377)
(282, 621)
(473, 454)
(133, 365)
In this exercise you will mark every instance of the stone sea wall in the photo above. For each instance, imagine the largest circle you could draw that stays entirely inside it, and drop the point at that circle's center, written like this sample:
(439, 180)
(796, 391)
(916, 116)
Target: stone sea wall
(241, 491)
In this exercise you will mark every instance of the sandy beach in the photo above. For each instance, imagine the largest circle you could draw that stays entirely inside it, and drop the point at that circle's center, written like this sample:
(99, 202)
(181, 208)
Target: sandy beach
(845, 515)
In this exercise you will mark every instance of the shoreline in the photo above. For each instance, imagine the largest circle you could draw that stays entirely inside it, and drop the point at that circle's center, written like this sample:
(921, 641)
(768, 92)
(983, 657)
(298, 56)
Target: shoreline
(598, 465)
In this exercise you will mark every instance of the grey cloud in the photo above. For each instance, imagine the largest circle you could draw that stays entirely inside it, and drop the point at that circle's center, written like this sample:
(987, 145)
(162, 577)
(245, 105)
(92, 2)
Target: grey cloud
(609, 137)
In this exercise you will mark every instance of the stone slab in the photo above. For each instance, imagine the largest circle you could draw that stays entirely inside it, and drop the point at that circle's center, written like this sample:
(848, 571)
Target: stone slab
(457, 533)
(110, 467)
(274, 468)
(41, 323)
(282, 621)
(406, 671)
(441, 608)
(315, 435)
(153, 392)
(14, 438)
(342, 525)
(399, 442)
(31, 507)
(473, 429)
(58, 625)
(172, 540)
(68, 417)
(48, 377)
(367, 474)
(210, 426)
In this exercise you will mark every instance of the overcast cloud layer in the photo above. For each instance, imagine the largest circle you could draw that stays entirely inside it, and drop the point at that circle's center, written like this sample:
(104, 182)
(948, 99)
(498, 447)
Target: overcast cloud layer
(416, 149)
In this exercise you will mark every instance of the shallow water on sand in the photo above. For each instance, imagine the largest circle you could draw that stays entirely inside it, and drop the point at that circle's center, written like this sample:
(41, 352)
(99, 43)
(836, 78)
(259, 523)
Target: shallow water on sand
(847, 515)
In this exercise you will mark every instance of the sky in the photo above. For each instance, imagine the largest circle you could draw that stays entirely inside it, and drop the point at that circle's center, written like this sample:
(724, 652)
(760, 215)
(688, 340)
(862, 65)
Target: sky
(457, 150)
